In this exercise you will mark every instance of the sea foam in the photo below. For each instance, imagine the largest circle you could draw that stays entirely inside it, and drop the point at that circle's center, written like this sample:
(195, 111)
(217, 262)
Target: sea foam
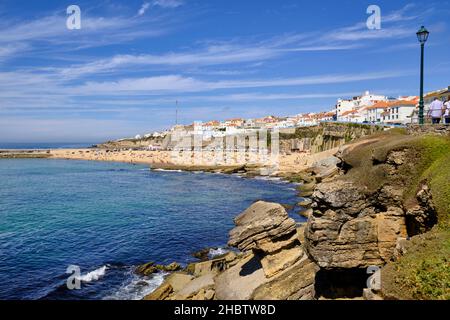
(93, 275)
(137, 287)
(216, 252)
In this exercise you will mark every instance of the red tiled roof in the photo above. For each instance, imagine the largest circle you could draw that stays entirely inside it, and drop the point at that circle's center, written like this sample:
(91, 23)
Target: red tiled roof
(379, 105)
(404, 103)
(349, 112)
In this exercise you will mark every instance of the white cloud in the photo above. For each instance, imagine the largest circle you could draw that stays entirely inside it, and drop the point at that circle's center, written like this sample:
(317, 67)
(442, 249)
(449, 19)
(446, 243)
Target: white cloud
(168, 3)
(10, 50)
(143, 8)
(49, 33)
(215, 54)
(177, 83)
(238, 51)
(210, 56)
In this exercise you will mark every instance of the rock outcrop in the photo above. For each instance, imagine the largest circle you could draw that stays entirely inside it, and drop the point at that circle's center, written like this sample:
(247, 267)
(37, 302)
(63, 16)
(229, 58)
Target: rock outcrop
(324, 136)
(347, 231)
(276, 266)
(359, 216)
(272, 263)
(352, 227)
(150, 267)
(266, 229)
(421, 216)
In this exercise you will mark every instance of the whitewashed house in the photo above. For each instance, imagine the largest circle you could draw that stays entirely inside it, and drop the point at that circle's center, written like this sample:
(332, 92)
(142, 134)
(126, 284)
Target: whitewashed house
(374, 112)
(400, 112)
(343, 106)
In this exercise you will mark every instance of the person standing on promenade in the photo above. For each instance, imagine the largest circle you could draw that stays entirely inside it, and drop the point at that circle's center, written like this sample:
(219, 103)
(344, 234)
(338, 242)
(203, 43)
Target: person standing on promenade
(436, 108)
(447, 111)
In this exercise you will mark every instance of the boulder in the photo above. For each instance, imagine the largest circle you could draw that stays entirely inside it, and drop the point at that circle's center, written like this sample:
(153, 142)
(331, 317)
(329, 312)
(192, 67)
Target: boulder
(263, 226)
(274, 263)
(194, 286)
(161, 293)
(306, 213)
(294, 283)
(326, 168)
(212, 266)
(240, 281)
(174, 266)
(340, 194)
(178, 280)
(204, 254)
(306, 189)
(305, 203)
(150, 267)
(266, 229)
(146, 269)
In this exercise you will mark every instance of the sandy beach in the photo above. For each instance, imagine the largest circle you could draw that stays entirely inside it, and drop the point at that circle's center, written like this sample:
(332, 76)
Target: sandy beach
(287, 163)
(134, 156)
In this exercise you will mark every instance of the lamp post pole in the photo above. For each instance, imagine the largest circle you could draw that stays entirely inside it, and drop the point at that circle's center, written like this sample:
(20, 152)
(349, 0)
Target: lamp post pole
(421, 118)
(422, 36)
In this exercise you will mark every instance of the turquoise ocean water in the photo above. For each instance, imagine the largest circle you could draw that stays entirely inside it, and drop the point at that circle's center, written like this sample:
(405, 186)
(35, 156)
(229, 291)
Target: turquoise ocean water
(107, 218)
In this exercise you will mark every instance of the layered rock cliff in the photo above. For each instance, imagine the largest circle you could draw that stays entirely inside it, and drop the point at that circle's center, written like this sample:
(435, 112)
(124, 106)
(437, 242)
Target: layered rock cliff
(381, 201)
(359, 217)
(324, 136)
(388, 188)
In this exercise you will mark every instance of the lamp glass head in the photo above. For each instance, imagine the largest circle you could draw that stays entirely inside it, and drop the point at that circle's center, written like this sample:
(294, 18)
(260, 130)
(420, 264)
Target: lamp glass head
(422, 35)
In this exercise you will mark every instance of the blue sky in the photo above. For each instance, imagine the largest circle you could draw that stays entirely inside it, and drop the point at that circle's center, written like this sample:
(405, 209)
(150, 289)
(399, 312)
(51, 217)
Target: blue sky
(121, 73)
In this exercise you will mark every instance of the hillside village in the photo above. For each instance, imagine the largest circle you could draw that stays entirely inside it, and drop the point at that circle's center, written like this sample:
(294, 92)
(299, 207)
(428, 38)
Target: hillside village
(367, 108)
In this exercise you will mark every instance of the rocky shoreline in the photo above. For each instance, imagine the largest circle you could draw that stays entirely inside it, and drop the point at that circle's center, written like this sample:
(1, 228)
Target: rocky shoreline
(271, 262)
(360, 218)
(363, 202)
(24, 154)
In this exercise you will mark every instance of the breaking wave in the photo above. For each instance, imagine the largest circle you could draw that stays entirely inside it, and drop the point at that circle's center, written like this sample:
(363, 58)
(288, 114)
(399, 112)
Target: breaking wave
(216, 252)
(93, 275)
(137, 287)
(167, 170)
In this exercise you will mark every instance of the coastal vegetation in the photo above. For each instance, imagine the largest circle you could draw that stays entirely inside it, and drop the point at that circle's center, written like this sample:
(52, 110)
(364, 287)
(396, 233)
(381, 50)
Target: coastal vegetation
(424, 271)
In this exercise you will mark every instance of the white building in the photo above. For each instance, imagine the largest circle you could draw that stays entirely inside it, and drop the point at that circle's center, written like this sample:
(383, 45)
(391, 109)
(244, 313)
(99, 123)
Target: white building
(349, 116)
(354, 116)
(343, 106)
(284, 124)
(307, 120)
(368, 99)
(400, 112)
(374, 112)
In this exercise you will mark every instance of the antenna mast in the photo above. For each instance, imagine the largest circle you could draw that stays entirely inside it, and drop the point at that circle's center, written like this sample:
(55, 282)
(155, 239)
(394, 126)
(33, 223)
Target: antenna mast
(176, 112)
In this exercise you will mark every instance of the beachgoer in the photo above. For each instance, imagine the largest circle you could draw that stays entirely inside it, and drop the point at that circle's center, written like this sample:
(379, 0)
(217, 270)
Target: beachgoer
(447, 111)
(435, 111)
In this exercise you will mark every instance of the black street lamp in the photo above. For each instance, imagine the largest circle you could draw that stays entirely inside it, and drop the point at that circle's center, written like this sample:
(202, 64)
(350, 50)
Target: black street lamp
(422, 36)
